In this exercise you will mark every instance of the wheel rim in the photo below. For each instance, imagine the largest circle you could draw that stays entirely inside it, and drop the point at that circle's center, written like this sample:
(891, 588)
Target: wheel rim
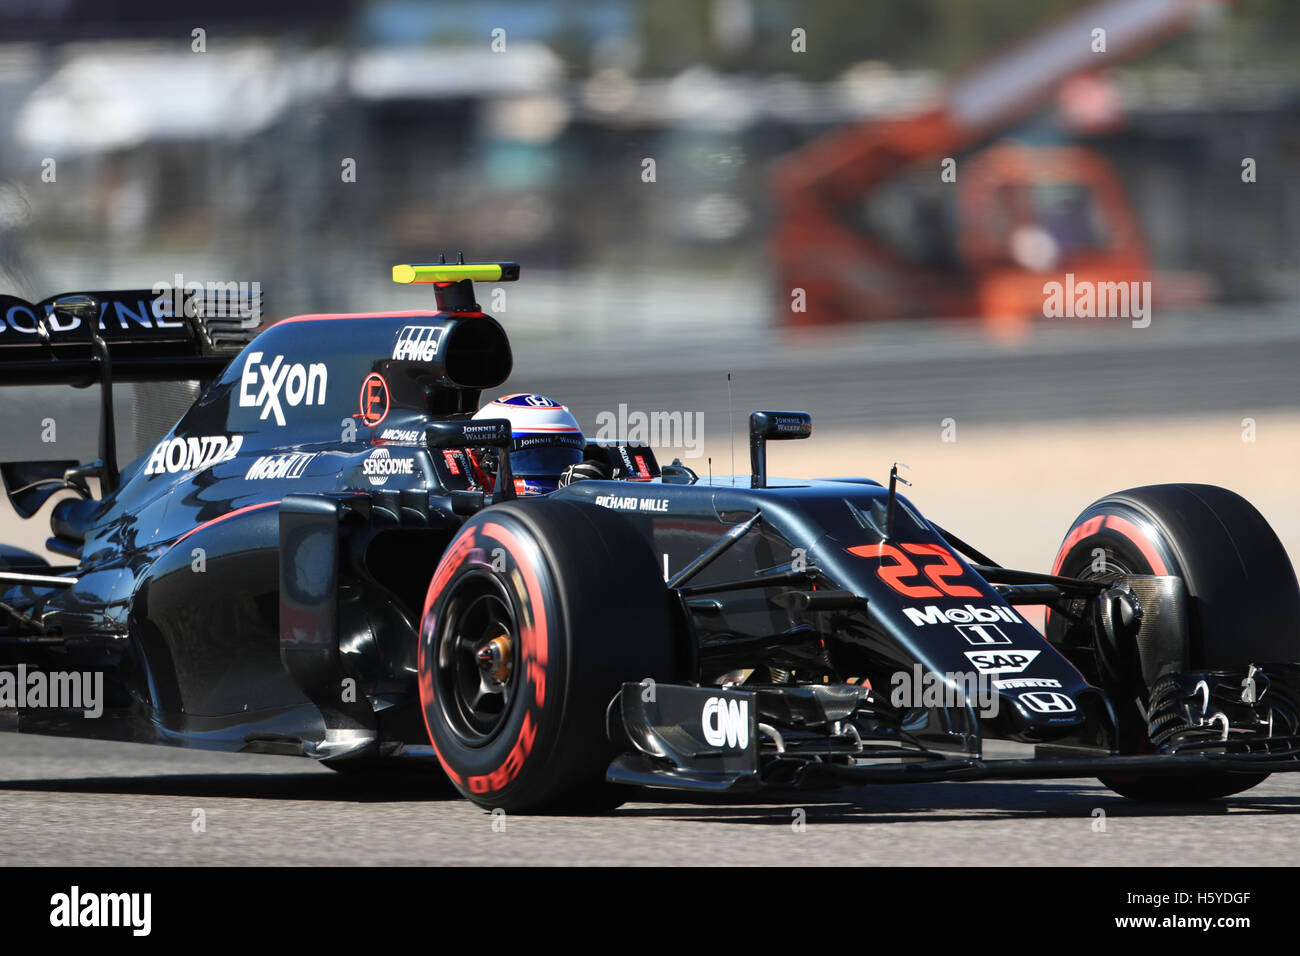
(1114, 569)
(476, 660)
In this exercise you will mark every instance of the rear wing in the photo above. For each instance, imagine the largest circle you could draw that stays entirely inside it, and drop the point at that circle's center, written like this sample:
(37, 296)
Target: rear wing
(83, 338)
(148, 337)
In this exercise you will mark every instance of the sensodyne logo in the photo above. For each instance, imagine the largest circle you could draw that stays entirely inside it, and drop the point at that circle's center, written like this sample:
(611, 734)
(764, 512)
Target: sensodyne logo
(271, 385)
(726, 722)
(381, 465)
(192, 453)
(418, 343)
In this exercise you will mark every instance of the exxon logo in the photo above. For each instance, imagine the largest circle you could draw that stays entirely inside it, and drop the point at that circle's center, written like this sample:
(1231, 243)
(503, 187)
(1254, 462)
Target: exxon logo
(269, 386)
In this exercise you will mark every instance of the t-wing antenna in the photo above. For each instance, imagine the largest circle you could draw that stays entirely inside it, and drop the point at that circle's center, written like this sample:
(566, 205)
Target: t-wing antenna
(453, 283)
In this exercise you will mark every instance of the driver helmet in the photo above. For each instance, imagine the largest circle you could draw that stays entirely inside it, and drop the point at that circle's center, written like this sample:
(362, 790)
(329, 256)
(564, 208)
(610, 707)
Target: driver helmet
(547, 440)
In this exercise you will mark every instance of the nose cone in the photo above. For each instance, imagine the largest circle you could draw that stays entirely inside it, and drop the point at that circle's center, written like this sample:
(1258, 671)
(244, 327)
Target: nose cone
(1032, 712)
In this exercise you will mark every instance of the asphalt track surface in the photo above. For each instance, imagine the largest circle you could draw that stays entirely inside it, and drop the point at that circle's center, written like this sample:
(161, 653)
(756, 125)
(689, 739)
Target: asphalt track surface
(81, 803)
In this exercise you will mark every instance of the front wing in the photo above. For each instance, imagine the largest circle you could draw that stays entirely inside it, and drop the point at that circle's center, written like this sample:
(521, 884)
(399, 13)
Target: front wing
(711, 740)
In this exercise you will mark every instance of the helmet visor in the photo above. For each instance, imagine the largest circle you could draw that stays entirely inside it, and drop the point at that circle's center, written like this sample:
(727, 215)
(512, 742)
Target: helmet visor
(545, 456)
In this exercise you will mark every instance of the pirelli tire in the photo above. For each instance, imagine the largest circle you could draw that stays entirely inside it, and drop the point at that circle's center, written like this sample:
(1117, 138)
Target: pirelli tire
(558, 603)
(1243, 600)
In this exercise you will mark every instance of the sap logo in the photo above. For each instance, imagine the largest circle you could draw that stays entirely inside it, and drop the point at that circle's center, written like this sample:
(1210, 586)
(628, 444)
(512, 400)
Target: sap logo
(418, 343)
(296, 384)
(726, 722)
(961, 615)
(291, 465)
(381, 465)
(1045, 702)
(1001, 662)
(191, 454)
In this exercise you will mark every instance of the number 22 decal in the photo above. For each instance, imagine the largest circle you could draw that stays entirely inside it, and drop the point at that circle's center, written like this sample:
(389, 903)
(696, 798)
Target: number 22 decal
(900, 569)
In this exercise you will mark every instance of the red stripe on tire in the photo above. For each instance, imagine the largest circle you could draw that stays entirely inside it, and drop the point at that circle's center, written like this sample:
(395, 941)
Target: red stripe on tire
(1139, 538)
(1077, 534)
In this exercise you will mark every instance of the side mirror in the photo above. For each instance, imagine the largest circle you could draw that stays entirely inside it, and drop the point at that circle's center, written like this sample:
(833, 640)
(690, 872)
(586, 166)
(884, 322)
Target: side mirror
(478, 433)
(772, 426)
(469, 433)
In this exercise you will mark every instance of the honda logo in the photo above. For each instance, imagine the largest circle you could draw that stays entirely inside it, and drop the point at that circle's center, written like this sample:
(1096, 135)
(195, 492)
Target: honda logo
(1043, 702)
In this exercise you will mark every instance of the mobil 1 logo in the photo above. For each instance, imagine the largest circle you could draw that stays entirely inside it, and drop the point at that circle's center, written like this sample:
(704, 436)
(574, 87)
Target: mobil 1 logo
(977, 624)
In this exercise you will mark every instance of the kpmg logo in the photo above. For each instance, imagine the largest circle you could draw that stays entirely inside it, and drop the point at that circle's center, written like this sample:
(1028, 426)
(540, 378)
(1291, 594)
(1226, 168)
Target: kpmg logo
(418, 343)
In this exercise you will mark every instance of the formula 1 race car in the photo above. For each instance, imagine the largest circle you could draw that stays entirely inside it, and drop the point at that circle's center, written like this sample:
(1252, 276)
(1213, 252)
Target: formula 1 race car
(305, 564)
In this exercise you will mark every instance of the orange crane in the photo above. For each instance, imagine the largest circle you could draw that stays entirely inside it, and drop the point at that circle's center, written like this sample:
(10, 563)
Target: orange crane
(1020, 214)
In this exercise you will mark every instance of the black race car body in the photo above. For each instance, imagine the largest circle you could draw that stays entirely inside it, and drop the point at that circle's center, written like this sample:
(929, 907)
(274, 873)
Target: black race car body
(277, 574)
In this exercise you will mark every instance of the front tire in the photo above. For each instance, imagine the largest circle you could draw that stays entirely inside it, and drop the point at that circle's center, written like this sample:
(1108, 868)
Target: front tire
(1244, 603)
(536, 615)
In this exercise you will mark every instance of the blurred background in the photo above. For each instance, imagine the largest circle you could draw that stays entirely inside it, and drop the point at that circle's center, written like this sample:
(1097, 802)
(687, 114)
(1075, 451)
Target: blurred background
(852, 207)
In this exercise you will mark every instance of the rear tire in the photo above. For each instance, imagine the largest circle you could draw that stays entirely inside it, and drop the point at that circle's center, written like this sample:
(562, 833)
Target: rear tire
(1243, 600)
(536, 615)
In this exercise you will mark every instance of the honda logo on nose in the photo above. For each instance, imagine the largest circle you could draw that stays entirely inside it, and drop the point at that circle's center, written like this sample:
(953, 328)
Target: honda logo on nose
(1042, 702)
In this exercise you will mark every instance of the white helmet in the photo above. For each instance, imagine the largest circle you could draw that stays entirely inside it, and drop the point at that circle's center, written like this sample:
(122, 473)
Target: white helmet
(547, 440)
